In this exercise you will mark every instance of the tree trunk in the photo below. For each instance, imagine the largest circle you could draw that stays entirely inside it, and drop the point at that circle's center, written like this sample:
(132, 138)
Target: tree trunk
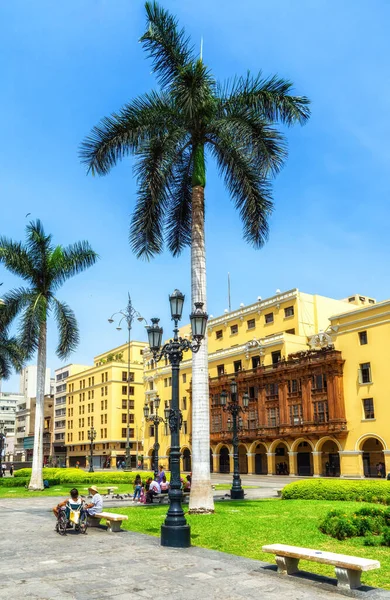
(201, 497)
(36, 481)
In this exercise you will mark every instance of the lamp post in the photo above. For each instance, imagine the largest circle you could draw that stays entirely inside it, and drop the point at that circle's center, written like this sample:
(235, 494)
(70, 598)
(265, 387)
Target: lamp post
(156, 420)
(91, 437)
(128, 314)
(235, 424)
(175, 531)
(2, 445)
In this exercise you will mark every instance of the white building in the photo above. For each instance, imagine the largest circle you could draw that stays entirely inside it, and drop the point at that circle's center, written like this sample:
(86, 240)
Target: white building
(8, 405)
(28, 382)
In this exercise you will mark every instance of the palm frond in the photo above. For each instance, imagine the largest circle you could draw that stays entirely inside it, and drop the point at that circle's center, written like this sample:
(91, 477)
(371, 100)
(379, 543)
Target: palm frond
(250, 190)
(33, 317)
(38, 245)
(166, 44)
(123, 133)
(193, 94)
(11, 356)
(271, 98)
(178, 220)
(66, 262)
(15, 258)
(248, 130)
(67, 327)
(154, 172)
(13, 303)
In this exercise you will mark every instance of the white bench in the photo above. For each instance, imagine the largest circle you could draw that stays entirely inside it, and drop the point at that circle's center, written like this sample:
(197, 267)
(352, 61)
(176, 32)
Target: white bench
(113, 520)
(348, 568)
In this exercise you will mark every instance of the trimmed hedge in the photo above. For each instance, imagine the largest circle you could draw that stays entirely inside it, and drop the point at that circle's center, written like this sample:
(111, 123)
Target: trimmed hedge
(335, 489)
(78, 476)
(12, 482)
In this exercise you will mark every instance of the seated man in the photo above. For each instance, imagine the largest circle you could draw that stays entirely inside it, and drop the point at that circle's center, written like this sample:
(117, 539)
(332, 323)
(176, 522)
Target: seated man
(96, 506)
(154, 489)
(75, 502)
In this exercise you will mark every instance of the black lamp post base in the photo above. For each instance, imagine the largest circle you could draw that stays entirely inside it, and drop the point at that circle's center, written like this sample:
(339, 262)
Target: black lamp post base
(176, 537)
(237, 494)
(91, 470)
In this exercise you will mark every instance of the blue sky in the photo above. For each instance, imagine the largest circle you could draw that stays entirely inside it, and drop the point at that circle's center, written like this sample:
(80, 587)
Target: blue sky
(64, 65)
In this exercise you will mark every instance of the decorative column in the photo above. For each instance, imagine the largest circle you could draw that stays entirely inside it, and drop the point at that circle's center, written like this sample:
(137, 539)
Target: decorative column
(387, 461)
(307, 406)
(283, 405)
(317, 464)
(251, 463)
(215, 463)
(292, 463)
(271, 463)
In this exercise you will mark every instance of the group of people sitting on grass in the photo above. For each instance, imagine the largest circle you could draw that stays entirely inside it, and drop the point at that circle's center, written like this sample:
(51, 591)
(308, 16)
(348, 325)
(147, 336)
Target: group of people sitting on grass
(144, 492)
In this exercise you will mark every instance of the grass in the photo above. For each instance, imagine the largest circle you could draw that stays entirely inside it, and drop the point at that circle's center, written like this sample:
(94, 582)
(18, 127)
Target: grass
(227, 486)
(63, 490)
(255, 523)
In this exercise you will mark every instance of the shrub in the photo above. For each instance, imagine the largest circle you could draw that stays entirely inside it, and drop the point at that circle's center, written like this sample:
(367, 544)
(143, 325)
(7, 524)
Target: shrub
(10, 482)
(78, 476)
(365, 522)
(333, 489)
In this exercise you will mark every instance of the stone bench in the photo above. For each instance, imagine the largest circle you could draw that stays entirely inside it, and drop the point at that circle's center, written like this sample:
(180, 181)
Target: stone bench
(348, 568)
(113, 520)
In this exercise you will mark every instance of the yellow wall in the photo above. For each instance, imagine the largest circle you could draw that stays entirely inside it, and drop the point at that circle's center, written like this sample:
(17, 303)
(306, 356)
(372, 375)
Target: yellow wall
(97, 397)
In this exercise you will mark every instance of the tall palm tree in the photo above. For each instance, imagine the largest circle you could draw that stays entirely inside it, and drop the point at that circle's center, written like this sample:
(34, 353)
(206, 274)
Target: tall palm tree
(169, 131)
(45, 267)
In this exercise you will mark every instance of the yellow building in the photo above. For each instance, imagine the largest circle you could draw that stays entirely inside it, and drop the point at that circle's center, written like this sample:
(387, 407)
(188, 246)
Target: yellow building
(253, 344)
(97, 397)
(363, 336)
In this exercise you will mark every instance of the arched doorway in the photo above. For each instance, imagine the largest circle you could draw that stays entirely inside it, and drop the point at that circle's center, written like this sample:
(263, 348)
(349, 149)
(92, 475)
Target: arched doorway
(281, 459)
(330, 459)
(211, 461)
(373, 458)
(242, 460)
(186, 460)
(224, 460)
(261, 466)
(304, 459)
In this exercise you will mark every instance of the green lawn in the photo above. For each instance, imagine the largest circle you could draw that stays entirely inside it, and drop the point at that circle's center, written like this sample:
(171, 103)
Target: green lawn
(243, 527)
(227, 486)
(62, 490)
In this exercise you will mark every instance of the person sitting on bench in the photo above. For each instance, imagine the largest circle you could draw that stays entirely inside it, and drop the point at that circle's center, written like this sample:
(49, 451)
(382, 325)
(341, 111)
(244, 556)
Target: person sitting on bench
(96, 506)
(74, 502)
(154, 489)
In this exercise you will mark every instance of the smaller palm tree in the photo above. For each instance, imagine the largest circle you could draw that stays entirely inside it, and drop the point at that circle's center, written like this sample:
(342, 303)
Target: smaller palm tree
(45, 267)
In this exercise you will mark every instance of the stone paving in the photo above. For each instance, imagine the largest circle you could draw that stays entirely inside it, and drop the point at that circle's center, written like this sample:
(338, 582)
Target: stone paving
(37, 563)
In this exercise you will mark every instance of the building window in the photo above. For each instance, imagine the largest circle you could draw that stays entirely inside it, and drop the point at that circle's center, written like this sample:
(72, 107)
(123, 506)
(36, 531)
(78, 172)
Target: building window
(220, 370)
(251, 323)
(363, 338)
(276, 357)
(124, 403)
(131, 404)
(296, 413)
(216, 423)
(365, 373)
(131, 418)
(124, 390)
(289, 311)
(255, 362)
(124, 418)
(185, 427)
(319, 383)
(219, 334)
(151, 431)
(273, 417)
(101, 419)
(166, 382)
(184, 402)
(131, 390)
(105, 404)
(321, 412)
(237, 366)
(272, 389)
(184, 376)
(233, 329)
(124, 432)
(269, 318)
(368, 407)
(293, 386)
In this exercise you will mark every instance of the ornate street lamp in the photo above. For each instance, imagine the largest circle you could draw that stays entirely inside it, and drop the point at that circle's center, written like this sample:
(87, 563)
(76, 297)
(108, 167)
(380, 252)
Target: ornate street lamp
(91, 437)
(175, 531)
(156, 420)
(2, 445)
(128, 314)
(235, 425)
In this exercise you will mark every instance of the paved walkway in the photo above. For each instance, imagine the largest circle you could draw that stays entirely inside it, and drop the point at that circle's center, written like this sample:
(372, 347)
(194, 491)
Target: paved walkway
(37, 563)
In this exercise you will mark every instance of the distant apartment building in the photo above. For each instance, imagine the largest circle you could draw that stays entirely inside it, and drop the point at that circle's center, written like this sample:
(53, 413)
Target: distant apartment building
(28, 382)
(8, 402)
(58, 448)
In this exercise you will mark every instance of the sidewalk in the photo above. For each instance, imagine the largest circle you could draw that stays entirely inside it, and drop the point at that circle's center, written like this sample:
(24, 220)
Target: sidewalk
(37, 563)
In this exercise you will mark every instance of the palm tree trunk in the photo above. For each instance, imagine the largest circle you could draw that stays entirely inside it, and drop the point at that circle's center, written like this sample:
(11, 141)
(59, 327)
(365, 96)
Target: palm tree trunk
(201, 497)
(36, 481)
